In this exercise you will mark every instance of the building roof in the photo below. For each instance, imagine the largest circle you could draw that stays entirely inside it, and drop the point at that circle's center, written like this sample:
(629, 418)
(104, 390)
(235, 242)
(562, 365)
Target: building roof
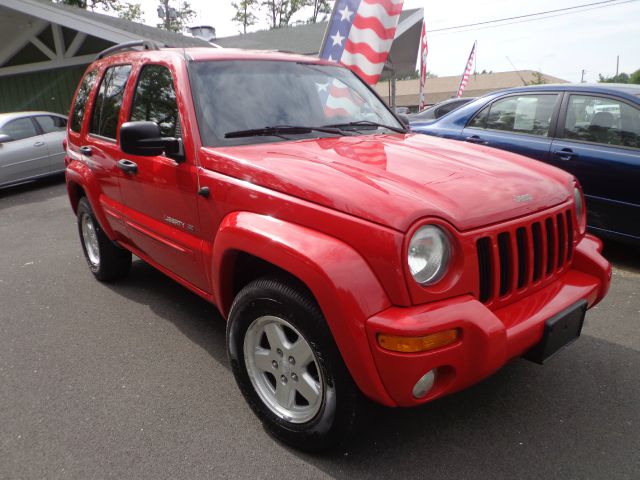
(438, 89)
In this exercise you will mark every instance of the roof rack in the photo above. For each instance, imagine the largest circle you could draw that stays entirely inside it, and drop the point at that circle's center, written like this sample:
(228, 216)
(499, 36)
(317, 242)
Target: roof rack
(145, 44)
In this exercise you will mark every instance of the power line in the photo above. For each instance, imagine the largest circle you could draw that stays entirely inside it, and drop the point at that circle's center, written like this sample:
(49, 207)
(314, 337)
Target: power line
(566, 10)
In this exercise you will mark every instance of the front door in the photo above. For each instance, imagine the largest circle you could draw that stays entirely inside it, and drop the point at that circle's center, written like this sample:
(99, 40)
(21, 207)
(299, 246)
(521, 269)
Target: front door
(599, 143)
(160, 197)
(518, 123)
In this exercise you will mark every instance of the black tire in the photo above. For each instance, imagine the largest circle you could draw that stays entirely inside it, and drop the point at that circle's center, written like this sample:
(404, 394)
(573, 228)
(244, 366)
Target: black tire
(113, 262)
(284, 299)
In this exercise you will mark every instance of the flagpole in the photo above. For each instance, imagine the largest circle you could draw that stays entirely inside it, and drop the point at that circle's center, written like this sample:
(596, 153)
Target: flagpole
(458, 94)
(326, 30)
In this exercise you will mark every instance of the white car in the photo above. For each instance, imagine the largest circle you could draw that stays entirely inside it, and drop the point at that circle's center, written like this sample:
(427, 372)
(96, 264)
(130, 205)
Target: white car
(31, 146)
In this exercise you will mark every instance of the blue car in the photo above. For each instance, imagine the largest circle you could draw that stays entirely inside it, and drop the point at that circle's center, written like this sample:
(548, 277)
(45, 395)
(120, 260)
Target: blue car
(591, 131)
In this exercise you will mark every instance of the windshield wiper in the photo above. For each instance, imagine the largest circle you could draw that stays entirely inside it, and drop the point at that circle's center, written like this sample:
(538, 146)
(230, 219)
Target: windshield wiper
(277, 130)
(366, 123)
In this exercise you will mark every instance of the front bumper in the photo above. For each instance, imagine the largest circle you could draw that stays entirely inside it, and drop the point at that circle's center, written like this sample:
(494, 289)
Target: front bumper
(489, 338)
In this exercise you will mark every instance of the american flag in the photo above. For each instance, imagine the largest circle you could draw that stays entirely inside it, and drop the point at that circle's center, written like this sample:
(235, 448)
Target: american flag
(467, 71)
(360, 34)
(338, 99)
(424, 50)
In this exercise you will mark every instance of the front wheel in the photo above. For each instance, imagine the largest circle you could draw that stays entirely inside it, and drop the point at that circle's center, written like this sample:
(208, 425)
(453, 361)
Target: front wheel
(288, 367)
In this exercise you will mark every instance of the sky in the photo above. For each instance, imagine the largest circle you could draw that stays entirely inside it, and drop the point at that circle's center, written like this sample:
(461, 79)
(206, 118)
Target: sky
(561, 46)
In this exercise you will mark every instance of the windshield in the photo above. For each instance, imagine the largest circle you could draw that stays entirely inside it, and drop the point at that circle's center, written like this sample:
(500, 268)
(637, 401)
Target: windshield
(243, 95)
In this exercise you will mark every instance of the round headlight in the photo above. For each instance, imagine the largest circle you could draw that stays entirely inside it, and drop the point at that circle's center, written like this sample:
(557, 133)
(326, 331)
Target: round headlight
(429, 253)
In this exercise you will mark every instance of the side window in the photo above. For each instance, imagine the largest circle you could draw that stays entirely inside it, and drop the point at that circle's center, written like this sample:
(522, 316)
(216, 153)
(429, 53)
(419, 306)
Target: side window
(50, 124)
(480, 120)
(77, 114)
(155, 100)
(20, 129)
(106, 111)
(522, 114)
(602, 120)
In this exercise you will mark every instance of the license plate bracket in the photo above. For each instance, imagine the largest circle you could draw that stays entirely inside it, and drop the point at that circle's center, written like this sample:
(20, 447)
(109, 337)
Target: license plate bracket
(559, 331)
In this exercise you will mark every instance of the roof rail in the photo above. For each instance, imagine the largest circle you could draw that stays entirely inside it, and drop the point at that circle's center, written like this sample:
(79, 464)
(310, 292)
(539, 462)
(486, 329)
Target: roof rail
(145, 44)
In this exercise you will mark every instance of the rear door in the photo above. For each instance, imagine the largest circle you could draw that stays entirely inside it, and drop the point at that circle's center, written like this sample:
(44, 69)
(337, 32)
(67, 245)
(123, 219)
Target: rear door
(598, 141)
(53, 128)
(519, 123)
(161, 196)
(99, 148)
(25, 156)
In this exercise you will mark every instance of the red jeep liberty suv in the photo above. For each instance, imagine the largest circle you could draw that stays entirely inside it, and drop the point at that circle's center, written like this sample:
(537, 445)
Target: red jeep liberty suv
(348, 255)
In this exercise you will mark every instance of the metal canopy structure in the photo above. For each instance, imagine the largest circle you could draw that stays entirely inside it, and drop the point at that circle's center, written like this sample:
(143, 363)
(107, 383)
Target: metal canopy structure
(45, 47)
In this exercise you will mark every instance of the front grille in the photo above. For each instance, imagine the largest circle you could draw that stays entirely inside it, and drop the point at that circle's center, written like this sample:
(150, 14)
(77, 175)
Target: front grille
(512, 260)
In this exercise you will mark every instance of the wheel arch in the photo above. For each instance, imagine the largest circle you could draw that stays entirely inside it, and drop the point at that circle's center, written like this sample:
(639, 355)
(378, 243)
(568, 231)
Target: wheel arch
(82, 183)
(337, 277)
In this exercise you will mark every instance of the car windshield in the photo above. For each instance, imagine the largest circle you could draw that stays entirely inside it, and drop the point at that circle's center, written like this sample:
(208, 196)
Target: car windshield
(248, 101)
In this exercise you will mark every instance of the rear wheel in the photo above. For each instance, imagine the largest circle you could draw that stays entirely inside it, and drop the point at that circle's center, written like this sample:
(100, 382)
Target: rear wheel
(288, 366)
(106, 260)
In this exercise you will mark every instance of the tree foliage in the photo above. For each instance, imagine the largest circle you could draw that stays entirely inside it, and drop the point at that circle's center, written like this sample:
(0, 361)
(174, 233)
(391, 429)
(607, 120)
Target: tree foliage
(320, 7)
(175, 18)
(279, 12)
(244, 13)
(621, 78)
(538, 79)
(128, 11)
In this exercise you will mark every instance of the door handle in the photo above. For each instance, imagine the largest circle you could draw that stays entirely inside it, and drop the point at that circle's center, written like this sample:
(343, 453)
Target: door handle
(86, 151)
(565, 154)
(128, 166)
(38, 144)
(476, 139)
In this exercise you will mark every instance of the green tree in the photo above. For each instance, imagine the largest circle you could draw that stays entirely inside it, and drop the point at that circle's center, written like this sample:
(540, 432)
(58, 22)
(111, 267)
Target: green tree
(538, 79)
(279, 12)
(635, 77)
(620, 78)
(175, 19)
(320, 7)
(244, 13)
(128, 11)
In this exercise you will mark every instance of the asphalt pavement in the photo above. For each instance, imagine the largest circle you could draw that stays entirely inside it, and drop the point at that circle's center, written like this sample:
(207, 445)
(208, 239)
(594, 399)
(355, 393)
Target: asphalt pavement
(131, 381)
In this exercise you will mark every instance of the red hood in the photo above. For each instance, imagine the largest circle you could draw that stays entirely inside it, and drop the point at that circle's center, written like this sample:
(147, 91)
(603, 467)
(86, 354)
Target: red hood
(394, 180)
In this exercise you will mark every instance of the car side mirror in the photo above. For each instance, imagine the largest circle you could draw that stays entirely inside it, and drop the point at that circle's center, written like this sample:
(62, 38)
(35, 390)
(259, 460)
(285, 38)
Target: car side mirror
(4, 138)
(145, 138)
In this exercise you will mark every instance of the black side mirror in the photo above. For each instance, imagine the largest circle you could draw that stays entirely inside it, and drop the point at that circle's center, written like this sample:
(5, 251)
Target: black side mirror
(4, 138)
(145, 138)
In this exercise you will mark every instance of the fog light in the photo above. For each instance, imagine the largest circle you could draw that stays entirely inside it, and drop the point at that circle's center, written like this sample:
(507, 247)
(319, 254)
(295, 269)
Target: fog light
(422, 386)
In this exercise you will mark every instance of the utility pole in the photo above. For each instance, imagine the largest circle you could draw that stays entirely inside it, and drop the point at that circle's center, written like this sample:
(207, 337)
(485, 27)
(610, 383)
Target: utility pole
(617, 64)
(582, 77)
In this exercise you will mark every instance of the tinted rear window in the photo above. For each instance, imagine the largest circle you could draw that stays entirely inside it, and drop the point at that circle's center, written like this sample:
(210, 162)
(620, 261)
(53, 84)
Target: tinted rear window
(109, 101)
(77, 114)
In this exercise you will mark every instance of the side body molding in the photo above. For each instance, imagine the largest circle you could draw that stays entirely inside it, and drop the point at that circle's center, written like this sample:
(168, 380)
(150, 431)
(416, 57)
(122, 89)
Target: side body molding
(341, 281)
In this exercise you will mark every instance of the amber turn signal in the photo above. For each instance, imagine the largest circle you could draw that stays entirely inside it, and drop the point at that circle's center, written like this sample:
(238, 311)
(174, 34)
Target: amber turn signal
(425, 343)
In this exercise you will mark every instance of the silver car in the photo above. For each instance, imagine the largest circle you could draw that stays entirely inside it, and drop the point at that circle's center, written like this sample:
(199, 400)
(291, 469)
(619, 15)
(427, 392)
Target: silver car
(31, 146)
